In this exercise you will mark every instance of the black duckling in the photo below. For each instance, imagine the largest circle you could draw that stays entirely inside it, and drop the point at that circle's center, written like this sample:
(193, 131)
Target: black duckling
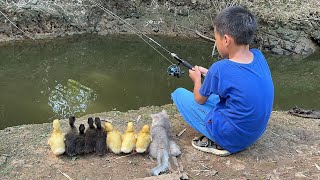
(90, 137)
(80, 141)
(70, 137)
(101, 145)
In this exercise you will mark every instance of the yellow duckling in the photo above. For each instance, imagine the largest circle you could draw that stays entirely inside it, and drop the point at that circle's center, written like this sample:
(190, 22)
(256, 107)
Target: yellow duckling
(56, 140)
(143, 139)
(113, 138)
(129, 139)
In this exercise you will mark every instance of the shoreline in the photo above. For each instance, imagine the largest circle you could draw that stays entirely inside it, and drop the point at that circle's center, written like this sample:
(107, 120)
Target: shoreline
(288, 149)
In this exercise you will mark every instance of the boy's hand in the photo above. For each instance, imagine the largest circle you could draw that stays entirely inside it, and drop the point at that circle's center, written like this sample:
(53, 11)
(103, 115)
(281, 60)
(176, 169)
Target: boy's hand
(203, 70)
(195, 74)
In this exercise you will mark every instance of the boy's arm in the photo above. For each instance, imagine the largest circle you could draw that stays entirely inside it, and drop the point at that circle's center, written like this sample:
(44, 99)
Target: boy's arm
(195, 75)
(197, 96)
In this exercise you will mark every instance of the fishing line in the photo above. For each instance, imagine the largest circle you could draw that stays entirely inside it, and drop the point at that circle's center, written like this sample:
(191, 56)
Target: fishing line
(173, 69)
(136, 31)
(17, 26)
(25, 33)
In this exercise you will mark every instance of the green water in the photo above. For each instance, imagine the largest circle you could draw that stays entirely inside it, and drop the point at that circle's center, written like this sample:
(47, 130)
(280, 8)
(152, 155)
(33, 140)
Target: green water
(41, 81)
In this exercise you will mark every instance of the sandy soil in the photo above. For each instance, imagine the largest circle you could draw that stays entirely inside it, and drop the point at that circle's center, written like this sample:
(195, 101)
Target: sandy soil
(289, 149)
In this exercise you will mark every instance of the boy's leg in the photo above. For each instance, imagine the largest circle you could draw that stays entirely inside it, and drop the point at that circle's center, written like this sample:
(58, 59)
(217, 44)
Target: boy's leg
(194, 113)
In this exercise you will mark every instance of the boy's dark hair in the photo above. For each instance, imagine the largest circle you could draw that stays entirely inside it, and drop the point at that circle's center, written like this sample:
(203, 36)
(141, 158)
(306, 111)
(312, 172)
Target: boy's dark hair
(236, 22)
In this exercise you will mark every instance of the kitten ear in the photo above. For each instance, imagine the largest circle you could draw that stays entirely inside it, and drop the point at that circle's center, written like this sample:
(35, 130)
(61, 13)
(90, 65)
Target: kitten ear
(164, 113)
(154, 116)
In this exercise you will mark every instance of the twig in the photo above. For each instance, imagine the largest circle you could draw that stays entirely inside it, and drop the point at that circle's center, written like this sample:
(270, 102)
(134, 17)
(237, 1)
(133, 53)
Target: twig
(204, 166)
(311, 18)
(205, 170)
(317, 166)
(204, 37)
(177, 25)
(189, 16)
(180, 133)
(175, 162)
(123, 156)
(183, 175)
(198, 160)
(151, 159)
(213, 49)
(66, 175)
(138, 119)
(185, 27)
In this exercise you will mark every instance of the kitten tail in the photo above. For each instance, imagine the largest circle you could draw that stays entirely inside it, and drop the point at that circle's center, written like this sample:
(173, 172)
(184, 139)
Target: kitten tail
(163, 163)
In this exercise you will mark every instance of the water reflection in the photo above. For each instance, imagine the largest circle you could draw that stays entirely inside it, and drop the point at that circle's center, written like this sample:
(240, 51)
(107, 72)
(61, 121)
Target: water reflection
(71, 99)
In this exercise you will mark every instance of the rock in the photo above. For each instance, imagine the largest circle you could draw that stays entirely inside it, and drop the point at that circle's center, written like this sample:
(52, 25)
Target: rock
(184, 176)
(3, 160)
(315, 35)
(304, 45)
(285, 42)
(9, 129)
(123, 29)
(155, 29)
(137, 2)
(120, 23)
(277, 50)
(109, 25)
(300, 175)
(183, 11)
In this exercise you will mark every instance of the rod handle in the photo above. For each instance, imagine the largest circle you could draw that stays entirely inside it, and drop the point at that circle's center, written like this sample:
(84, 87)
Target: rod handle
(186, 64)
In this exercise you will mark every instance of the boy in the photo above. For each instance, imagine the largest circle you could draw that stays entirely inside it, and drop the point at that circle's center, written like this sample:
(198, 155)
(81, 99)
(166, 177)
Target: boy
(232, 106)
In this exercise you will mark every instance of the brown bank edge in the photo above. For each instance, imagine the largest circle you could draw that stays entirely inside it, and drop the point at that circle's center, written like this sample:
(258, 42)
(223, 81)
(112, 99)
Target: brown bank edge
(289, 149)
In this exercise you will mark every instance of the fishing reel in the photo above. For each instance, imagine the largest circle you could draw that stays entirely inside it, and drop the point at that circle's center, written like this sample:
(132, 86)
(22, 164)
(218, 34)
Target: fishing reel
(175, 70)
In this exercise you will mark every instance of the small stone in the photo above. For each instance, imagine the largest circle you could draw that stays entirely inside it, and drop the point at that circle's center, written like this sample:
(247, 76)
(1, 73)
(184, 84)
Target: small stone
(3, 160)
(155, 29)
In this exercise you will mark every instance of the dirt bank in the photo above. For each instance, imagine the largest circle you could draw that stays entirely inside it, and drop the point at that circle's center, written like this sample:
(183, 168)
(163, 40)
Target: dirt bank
(289, 149)
(286, 27)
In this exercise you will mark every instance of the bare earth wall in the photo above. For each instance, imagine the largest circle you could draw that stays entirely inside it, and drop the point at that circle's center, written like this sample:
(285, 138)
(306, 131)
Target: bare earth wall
(285, 27)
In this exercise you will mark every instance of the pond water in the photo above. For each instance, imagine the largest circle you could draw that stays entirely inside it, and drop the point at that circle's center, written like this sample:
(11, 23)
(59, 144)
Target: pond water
(44, 80)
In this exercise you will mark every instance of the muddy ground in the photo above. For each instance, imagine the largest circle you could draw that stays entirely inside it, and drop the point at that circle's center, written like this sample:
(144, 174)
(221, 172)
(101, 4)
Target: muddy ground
(289, 149)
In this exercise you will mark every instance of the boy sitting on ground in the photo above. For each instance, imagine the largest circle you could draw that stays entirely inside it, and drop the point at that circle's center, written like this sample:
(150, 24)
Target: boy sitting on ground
(232, 107)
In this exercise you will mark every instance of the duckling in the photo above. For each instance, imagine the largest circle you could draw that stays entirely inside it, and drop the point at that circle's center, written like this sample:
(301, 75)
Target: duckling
(56, 140)
(113, 138)
(80, 141)
(143, 139)
(129, 139)
(70, 137)
(90, 137)
(101, 144)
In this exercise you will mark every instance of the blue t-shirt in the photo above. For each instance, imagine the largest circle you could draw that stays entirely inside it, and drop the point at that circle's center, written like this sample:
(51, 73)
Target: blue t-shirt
(246, 98)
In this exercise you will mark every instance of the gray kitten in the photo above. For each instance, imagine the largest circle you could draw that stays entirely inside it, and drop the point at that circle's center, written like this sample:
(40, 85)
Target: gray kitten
(161, 146)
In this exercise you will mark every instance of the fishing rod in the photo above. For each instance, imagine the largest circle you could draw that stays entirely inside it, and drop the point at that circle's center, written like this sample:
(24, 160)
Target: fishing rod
(173, 69)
